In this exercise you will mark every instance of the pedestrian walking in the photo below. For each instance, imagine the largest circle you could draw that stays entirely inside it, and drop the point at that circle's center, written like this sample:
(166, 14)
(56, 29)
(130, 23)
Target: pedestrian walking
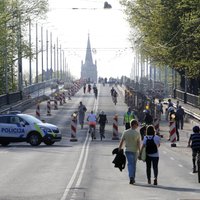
(148, 119)
(194, 143)
(128, 116)
(151, 142)
(81, 114)
(132, 139)
(180, 117)
(84, 88)
(159, 110)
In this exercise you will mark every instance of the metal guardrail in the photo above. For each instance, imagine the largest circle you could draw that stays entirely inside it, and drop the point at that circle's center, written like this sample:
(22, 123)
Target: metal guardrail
(23, 105)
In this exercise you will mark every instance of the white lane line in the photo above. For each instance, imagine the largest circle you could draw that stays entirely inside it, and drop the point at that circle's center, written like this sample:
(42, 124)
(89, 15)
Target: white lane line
(84, 163)
(180, 165)
(75, 172)
(84, 148)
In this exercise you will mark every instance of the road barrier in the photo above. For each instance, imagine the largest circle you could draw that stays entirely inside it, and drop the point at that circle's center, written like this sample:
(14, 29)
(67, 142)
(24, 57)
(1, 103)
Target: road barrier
(172, 131)
(48, 108)
(38, 110)
(157, 126)
(115, 128)
(73, 127)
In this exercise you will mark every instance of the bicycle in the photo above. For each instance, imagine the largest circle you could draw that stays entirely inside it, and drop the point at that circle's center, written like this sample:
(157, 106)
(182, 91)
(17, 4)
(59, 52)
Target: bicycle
(92, 131)
(115, 100)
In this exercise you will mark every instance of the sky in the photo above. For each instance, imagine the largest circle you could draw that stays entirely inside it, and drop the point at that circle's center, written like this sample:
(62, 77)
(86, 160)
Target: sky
(108, 30)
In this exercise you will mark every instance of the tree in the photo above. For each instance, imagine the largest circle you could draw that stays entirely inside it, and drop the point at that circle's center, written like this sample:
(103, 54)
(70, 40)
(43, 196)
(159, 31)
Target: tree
(14, 17)
(168, 32)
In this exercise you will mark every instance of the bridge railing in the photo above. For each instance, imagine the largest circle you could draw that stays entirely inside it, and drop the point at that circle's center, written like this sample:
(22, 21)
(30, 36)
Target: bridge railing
(188, 98)
(13, 97)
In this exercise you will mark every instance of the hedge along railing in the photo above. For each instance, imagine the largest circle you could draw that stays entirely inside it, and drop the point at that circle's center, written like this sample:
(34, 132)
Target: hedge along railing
(188, 98)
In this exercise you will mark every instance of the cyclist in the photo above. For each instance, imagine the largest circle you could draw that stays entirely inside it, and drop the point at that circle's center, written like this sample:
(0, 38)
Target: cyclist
(92, 119)
(194, 143)
(102, 120)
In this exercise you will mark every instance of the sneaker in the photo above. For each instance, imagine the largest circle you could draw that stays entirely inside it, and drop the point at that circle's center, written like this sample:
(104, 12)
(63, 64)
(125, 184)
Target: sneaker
(149, 181)
(194, 170)
(132, 181)
(155, 182)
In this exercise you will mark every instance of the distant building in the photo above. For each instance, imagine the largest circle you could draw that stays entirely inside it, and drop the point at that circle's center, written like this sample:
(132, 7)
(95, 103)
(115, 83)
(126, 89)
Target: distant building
(89, 69)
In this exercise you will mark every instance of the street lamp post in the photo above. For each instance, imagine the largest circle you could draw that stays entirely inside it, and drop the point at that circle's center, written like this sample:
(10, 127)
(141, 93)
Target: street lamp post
(47, 56)
(30, 66)
(51, 58)
(20, 82)
(42, 60)
(36, 52)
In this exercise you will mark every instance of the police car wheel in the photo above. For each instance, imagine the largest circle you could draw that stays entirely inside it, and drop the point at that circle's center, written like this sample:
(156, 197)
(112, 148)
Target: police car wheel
(48, 140)
(35, 139)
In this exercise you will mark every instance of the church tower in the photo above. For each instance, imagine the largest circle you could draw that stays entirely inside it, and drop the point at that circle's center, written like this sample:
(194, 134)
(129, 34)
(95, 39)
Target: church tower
(89, 69)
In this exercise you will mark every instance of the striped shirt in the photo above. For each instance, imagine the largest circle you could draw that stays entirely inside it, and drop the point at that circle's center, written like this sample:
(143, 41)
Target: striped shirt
(195, 138)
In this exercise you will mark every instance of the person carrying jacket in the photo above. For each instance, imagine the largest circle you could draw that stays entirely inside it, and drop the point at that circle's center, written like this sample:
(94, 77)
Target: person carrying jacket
(132, 139)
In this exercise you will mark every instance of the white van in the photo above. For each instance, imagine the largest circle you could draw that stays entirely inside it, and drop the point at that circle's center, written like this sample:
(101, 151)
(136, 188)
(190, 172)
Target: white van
(27, 128)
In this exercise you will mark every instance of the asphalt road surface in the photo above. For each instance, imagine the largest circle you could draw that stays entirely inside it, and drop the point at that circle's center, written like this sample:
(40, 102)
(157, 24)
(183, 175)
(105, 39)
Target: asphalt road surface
(83, 170)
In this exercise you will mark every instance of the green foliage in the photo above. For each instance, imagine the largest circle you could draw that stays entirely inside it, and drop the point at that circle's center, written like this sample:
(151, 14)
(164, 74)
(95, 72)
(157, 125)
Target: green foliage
(15, 15)
(167, 31)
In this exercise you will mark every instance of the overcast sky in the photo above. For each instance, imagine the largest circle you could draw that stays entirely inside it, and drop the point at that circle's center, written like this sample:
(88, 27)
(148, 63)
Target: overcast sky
(108, 32)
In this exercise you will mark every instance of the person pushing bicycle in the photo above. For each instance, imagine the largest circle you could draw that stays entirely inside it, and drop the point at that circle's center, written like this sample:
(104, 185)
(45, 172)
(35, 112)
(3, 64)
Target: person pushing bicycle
(194, 143)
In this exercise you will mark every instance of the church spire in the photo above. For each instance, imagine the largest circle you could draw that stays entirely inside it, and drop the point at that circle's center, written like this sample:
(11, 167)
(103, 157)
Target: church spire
(88, 57)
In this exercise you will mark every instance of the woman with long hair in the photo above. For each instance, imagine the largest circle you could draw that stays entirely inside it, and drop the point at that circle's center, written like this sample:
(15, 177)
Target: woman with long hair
(151, 142)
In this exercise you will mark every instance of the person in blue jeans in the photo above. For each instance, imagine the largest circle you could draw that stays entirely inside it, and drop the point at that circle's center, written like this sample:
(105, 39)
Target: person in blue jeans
(132, 139)
(152, 155)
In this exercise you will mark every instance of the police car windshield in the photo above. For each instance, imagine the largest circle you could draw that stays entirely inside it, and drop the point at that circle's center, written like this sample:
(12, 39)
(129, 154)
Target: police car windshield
(30, 119)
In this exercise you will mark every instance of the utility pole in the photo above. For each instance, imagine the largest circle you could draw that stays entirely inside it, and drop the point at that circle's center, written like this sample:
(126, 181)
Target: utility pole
(30, 50)
(36, 53)
(47, 56)
(42, 61)
(54, 60)
(57, 61)
(51, 58)
(20, 80)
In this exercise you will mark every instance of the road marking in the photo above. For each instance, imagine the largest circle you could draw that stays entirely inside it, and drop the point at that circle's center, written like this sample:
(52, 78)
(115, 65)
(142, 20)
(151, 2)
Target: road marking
(180, 165)
(85, 148)
(75, 171)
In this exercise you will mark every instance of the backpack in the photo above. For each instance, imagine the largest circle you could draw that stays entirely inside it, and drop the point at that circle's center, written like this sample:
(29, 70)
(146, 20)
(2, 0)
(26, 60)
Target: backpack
(151, 147)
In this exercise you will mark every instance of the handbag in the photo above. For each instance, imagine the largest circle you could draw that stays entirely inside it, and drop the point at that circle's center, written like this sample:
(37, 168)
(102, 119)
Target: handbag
(143, 154)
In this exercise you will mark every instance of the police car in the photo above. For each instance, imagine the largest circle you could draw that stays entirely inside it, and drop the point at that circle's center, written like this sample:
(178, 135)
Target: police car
(15, 127)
